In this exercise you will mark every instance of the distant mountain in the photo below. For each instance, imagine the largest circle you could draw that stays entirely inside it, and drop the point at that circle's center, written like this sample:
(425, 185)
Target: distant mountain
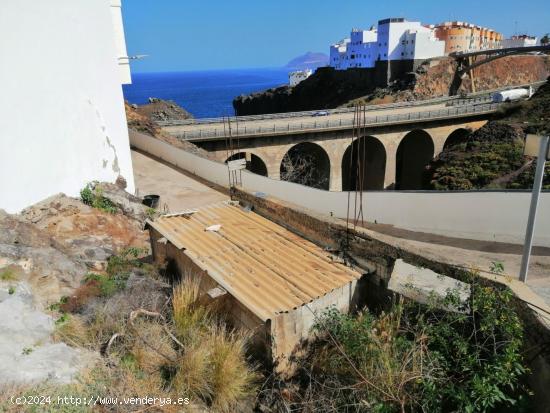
(309, 60)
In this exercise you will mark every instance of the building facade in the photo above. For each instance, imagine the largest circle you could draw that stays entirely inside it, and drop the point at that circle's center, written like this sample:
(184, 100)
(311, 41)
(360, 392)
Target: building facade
(63, 122)
(298, 76)
(392, 40)
(462, 37)
(520, 41)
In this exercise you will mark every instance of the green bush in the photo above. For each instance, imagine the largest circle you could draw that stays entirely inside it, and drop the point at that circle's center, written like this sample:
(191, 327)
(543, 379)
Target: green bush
(92, 195)
(420, 358)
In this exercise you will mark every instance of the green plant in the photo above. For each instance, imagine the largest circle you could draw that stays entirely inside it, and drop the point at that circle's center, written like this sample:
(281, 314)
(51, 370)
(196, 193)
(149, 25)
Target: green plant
(92, 195)
(497, 267)
(151, 212)
(27, 350)
(8, 275)
(11, 290)
(421, 357)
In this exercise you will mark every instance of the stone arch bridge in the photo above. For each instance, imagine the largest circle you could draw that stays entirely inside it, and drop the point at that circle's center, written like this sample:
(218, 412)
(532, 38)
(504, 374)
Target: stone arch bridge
(393, 151)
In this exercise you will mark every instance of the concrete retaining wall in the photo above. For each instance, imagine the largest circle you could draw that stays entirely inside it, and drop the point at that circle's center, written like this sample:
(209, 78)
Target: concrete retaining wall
(482, 215)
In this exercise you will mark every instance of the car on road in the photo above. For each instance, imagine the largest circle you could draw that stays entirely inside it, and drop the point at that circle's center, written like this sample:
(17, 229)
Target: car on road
(320, 113)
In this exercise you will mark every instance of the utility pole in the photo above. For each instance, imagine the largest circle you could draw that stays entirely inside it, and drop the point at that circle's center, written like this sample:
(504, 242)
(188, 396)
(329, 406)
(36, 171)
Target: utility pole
(543, 156)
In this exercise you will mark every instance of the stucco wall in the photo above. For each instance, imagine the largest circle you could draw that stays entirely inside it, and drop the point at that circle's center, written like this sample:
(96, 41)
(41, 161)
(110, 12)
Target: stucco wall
(491, 216)
(63, 122)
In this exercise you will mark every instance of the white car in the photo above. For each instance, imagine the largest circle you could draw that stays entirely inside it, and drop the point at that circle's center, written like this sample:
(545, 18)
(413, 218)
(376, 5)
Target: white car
(320, 113)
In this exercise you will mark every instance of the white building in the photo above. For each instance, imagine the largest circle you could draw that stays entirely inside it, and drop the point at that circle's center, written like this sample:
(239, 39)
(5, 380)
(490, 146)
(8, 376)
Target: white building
(63, 122)
(520, 41)
(296, 77)
(393, 39)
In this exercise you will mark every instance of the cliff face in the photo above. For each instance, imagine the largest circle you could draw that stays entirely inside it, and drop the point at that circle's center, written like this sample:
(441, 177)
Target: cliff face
(328, 88)
(492, 157)
(508, 71)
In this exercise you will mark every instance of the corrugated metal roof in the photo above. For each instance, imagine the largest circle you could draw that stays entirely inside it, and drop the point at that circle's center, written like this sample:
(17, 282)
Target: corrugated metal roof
(266, 267)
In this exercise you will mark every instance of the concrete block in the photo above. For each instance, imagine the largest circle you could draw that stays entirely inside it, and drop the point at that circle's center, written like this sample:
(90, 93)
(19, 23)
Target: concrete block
(426, 286)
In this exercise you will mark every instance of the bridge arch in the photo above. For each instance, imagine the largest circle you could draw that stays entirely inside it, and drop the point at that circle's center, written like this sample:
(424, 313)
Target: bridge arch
(308, 164)
(456, 137)
(254, 163)
(372, 156)
(414, 152)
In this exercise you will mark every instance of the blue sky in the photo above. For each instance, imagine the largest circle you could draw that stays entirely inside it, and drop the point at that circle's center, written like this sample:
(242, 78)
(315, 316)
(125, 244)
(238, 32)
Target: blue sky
(181, 35)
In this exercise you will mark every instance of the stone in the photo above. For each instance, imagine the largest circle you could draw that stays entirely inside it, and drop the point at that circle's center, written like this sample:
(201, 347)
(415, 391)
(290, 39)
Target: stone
(27, 352)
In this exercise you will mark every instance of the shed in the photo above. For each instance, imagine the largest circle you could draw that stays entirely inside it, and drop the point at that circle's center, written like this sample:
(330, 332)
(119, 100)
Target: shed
(276, 282)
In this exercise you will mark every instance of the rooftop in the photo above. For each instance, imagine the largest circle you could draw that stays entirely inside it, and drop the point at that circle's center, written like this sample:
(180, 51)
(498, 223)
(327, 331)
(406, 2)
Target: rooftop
(264, 266)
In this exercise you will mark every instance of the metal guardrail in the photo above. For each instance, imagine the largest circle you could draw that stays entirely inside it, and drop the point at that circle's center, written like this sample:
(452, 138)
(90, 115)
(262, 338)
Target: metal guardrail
(247, 131)
(306, 113)
(474, 98)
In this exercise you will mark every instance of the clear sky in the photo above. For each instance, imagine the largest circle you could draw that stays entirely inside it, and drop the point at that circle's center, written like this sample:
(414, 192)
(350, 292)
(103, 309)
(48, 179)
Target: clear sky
(181, 35)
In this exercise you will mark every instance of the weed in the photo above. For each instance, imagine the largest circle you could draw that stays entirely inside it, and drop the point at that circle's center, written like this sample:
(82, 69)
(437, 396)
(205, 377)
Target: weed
(151, 212)
(190, 318)
(72, 330)
(8, 275)
(497, 267)
(11, 290)
(27, 350)
(92, 195)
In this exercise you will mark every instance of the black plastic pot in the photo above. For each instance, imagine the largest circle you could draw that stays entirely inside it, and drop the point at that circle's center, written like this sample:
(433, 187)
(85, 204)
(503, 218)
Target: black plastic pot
(152, 201)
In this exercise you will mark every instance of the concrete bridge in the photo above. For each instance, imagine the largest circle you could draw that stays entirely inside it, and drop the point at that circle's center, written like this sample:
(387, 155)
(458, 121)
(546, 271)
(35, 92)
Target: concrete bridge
(394, 147)
(469, 61)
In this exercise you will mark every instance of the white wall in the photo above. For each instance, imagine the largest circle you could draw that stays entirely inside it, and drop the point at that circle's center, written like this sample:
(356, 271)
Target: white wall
(120, 43)
(62, 120)
(488, 216)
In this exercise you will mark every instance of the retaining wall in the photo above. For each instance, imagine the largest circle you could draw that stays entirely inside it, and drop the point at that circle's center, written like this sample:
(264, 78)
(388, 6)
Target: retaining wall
(481, 215)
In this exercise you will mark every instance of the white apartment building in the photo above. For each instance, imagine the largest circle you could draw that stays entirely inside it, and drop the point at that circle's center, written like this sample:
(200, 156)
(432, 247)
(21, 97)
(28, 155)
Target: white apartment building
(520, 41)
(298, 76)
(393, 39)
(63, 122)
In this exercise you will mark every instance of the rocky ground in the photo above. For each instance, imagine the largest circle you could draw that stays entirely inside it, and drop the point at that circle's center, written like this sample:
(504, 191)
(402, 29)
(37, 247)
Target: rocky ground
(142, 119)
(162, 110)
(45, 253)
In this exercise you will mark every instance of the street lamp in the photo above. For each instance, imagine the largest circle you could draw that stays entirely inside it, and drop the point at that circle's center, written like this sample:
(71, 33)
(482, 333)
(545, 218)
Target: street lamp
(538, 146)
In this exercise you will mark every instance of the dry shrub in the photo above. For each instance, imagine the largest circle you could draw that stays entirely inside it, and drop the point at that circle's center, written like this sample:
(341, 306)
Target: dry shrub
(81, 297)
(214, 368)
(152, 348)
(194, 372)
(190, 317)
(232, 377)
(73, 331)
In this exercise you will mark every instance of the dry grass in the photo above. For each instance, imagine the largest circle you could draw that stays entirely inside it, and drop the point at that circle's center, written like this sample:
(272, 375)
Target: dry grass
(8, 274)
(232, 377)
(193, 376)
(153, 348)
(190, 318)
(72, 331)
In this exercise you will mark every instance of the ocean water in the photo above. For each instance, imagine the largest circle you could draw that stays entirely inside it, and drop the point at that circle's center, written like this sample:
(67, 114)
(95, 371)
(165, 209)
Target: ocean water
(206, 93)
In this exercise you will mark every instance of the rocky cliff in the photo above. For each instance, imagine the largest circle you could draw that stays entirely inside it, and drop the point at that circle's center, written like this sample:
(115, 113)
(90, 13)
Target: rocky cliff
(328, 88)
(492, 157)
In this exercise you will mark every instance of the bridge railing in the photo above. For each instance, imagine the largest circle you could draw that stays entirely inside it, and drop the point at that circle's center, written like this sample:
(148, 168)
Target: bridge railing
(306, 113)
(473, 98)
(327, 125)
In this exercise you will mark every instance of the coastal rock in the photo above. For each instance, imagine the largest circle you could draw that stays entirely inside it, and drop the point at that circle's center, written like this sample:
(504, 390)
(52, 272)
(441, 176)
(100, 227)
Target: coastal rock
(328, 88)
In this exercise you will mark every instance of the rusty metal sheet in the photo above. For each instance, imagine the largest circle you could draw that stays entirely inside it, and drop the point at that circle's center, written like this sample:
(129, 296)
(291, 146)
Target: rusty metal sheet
(267, 268)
